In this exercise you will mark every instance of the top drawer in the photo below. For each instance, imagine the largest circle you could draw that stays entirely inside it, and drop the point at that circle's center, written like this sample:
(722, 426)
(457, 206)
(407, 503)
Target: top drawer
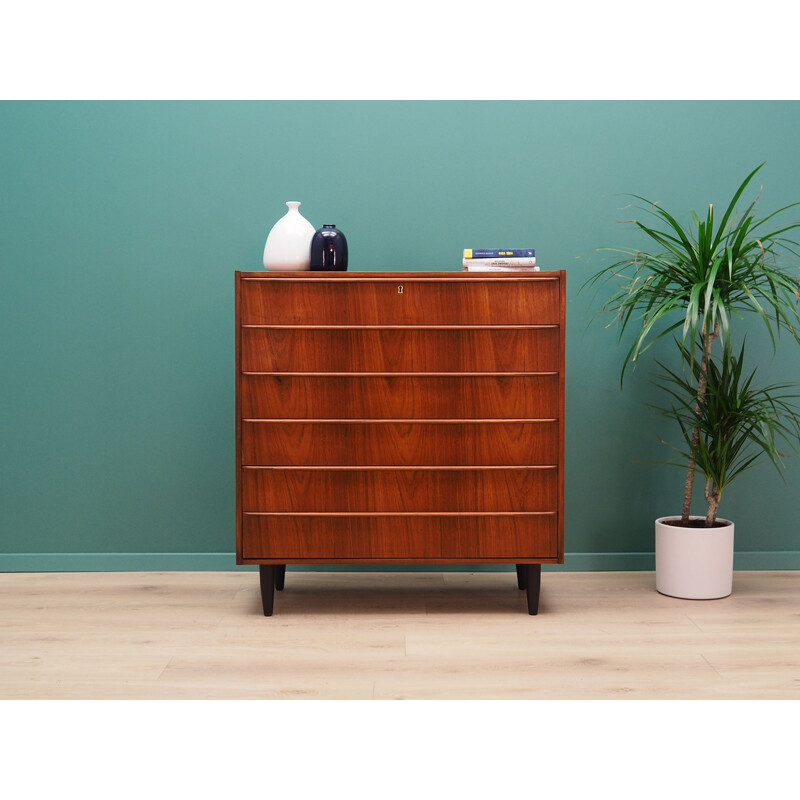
(401, 301)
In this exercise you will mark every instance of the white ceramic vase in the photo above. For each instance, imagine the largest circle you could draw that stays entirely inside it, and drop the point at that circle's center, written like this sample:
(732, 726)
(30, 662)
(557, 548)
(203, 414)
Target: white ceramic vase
(694, 563)
(288, 245)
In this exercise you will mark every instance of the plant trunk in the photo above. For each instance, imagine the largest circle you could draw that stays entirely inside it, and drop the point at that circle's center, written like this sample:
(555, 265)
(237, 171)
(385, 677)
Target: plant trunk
(708, 340)
(713, 503)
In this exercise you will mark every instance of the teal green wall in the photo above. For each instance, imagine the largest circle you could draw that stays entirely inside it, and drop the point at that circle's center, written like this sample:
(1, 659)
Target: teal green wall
(121, 225)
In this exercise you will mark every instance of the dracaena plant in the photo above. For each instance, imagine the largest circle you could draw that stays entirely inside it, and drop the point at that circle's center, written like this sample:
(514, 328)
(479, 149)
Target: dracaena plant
(697, 278)
(738, 423)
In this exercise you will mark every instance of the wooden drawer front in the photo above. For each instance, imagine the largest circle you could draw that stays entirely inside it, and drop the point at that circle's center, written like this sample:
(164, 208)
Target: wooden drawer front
(400, 349)
(365, 301)
(399, 537)
(391, 490)
(325, 537)
(400, 397)
(514, 537)
(399, 443)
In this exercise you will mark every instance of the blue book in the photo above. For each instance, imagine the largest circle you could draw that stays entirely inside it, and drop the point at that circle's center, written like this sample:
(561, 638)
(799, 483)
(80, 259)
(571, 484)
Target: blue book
(509, 253)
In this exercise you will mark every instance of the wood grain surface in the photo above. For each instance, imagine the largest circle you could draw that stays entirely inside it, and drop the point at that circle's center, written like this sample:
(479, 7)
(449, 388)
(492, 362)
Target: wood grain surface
(400, 537)
(394, 635)
(399, 396)
(378, 489)
(448, 300)
(400, 417)
(400, 349)
(401, 443)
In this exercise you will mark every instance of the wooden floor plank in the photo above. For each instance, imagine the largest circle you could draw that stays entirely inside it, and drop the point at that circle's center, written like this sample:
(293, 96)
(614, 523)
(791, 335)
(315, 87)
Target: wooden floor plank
(394, 635)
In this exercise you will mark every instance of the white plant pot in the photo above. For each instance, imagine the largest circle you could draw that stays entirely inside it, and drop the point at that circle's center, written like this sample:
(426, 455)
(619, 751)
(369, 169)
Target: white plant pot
(694, 563)
(288, 245)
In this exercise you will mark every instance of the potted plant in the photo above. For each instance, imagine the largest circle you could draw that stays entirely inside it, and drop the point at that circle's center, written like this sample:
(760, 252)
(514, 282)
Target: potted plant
(696, 280)
(737, 424)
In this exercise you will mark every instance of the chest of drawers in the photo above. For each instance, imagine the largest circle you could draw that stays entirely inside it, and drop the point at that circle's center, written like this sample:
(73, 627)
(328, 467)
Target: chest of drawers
(401, 417)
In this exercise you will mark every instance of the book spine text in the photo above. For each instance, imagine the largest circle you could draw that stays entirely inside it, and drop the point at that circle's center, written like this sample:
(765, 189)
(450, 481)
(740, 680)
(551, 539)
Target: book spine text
(508, 253)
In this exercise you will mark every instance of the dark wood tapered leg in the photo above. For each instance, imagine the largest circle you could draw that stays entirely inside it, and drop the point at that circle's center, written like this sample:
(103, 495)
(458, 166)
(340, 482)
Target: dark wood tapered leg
(534, 582)
(522, 574)
(280, 576)
(267, 575)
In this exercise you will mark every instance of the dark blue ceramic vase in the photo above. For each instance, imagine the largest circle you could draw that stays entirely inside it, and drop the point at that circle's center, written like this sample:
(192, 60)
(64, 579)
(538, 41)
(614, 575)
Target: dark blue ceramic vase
(329, 249)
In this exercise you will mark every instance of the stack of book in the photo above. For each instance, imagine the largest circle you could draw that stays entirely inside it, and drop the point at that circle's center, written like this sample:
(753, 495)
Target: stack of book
(499, 260)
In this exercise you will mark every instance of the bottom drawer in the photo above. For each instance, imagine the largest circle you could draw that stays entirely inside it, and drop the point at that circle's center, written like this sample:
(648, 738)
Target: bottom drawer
(401, 537)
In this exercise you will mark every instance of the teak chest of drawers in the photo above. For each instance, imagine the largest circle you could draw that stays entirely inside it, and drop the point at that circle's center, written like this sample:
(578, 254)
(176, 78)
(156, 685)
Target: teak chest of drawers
(399, 417)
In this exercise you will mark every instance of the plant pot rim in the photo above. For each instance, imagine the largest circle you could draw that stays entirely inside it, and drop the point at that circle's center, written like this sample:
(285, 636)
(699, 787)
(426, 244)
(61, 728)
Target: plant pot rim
(720, 522)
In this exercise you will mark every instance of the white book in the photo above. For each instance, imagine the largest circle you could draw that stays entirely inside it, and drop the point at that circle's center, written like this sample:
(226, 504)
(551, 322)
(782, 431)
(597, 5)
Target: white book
(484, 264)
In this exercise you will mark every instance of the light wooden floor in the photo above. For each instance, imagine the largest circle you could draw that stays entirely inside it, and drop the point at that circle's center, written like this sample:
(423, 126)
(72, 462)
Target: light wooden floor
(394, 635)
